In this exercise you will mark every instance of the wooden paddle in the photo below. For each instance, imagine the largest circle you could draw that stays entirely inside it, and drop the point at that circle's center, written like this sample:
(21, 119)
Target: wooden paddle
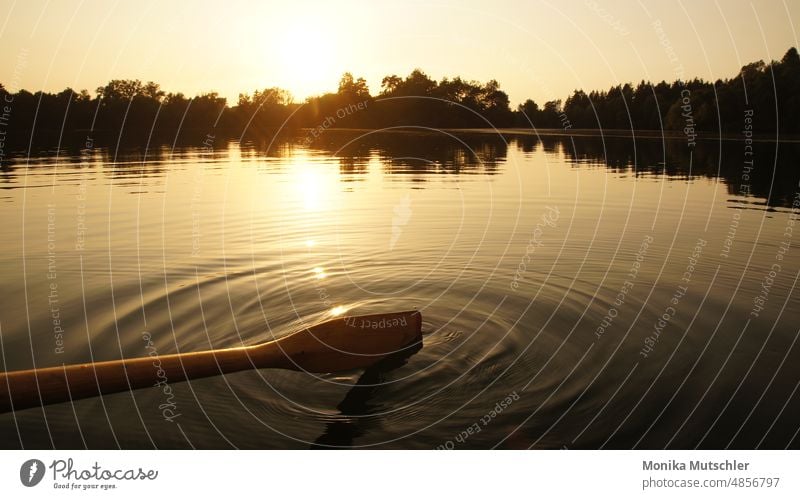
(336, 345)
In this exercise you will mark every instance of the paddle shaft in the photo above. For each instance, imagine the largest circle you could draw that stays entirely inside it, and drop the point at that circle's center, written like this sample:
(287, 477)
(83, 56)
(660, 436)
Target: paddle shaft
(52, 385)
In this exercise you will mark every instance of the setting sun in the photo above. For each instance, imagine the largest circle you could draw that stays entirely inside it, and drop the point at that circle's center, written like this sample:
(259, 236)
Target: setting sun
(307, 54)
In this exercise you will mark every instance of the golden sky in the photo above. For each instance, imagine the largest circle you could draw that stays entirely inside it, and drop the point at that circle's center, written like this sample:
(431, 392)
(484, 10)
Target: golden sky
(536, 49)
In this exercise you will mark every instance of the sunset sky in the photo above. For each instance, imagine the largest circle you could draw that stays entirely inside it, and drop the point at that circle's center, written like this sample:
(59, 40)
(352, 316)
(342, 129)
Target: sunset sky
(537, 49)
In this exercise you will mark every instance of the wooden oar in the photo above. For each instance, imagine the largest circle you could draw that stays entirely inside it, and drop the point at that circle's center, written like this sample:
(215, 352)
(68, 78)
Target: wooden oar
(336, 345)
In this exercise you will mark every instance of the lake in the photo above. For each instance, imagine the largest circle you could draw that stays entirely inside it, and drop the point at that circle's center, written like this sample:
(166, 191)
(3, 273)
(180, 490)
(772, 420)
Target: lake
(576, 292)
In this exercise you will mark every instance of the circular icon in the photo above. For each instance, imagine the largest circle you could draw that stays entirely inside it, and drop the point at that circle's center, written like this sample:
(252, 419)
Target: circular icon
(31, 472)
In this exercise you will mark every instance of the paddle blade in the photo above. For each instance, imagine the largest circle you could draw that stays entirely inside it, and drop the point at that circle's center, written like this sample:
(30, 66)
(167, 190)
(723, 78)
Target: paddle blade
(347, 343)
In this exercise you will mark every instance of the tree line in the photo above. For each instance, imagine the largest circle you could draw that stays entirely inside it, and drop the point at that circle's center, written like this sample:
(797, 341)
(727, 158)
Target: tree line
(144, 109)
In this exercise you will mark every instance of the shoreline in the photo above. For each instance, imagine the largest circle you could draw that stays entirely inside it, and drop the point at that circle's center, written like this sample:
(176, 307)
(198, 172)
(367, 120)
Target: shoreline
(577, 132)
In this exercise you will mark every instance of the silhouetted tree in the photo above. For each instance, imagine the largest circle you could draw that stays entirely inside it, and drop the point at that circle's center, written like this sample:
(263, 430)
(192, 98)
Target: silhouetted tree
(352, 88)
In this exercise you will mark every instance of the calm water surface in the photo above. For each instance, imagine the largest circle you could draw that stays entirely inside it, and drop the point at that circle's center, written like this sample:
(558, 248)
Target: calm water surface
(542, 268)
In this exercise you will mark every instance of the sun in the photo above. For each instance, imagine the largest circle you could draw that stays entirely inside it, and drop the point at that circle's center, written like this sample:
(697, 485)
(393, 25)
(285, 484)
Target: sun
(308, 56)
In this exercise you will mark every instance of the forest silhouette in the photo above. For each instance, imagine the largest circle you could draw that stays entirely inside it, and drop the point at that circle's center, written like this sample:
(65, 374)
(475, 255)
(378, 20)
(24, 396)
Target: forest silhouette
(135, 109)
